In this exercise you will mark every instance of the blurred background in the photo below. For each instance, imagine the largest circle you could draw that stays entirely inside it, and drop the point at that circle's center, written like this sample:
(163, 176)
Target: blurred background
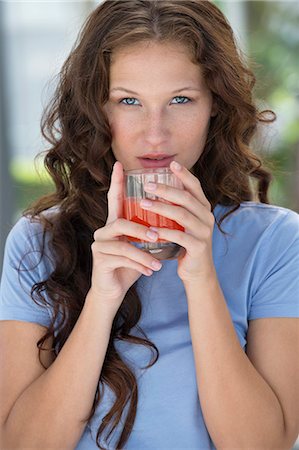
(36, 37)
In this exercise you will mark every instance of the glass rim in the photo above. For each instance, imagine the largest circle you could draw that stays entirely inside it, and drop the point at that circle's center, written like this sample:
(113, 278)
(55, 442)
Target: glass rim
(143, 170)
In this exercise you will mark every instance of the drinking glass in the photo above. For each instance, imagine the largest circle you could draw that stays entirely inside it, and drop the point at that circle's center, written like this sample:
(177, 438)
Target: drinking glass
(134, 181)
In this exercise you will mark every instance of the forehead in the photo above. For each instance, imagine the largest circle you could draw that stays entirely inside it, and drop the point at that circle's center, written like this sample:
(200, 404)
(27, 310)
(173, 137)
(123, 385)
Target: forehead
(151, 47)
(152, 62)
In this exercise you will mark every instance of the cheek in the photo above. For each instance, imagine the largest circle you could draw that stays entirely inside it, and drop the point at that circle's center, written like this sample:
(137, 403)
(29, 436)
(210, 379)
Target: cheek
(121, 127)
(123, 140)
(119, 123)
(194, 127)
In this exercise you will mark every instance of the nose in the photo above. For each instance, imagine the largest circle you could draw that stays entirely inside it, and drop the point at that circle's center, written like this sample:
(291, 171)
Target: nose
(156, 129)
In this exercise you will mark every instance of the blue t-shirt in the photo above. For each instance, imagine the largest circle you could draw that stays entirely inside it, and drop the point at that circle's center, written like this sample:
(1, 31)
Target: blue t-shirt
(257, 265)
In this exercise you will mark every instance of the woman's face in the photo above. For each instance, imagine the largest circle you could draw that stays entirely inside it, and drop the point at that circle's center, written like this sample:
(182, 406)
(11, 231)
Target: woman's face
(158, 103)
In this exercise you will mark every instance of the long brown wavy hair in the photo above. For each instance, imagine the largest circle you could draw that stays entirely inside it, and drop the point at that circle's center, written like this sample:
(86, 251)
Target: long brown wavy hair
(80, 160)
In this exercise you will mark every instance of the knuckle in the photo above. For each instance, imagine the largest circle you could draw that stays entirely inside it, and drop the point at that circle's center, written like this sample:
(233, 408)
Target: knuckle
(178, 235)
(206, 233)
(182, 215)
(123, 247)
(114, 225)
(96, 234)
(119, 222)
(93, 246)
(211, 219)
(187, 196)
(95, 249)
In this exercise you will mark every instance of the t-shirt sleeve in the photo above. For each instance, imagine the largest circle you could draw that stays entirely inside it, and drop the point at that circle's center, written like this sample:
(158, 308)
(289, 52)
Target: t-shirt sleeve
(277, 291)
(23, 266)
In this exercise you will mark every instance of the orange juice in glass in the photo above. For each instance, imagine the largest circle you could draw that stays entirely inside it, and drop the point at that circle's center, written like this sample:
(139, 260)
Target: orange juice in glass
(134, 181)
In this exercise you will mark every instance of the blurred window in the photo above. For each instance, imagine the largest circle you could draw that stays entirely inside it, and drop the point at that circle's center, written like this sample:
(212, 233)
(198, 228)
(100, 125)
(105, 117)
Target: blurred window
(38, 37)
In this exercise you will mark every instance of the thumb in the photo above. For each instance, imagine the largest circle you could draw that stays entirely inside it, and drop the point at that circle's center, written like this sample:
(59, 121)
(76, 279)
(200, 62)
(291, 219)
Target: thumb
(115, 193)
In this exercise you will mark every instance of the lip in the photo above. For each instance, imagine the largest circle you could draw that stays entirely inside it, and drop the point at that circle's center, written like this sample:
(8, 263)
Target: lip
(148, 163)
(156, 155)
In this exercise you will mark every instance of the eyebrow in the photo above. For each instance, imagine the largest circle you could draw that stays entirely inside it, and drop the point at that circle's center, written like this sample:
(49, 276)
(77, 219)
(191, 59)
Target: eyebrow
(188, 88)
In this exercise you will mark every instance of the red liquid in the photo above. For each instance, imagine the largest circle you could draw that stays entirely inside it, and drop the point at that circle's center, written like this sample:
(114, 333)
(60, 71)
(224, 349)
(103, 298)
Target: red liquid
(132, 211)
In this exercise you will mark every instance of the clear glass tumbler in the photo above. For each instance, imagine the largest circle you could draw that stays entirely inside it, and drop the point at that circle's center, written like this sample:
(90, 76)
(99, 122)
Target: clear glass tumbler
(134, 181)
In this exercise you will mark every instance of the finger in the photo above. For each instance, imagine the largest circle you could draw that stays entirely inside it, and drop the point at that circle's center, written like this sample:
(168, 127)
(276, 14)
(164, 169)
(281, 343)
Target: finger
(122, 248)
(180, 214)
(191, 183)
(182, 198)
(123, 227)
(192, 243)
(115, 193)
(117, 262)
(174, 212)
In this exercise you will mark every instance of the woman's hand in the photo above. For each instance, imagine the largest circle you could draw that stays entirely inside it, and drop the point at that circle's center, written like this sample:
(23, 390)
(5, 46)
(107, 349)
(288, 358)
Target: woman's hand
(192, 211)
(118, 264)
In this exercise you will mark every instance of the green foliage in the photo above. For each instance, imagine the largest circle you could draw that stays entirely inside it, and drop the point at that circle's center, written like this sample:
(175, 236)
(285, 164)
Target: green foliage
(274, 44)
(29, 183)
(273, 48)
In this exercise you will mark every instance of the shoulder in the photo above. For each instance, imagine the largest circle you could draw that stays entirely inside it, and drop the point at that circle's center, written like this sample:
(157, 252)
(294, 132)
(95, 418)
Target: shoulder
(269, 213)
(262, 247)
(31, 226)
(257, 219)
(27, 262)
(28, 236)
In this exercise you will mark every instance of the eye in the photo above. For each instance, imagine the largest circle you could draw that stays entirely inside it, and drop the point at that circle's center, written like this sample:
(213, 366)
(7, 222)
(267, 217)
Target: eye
(131, 101)
(181, 100)
(128, 101)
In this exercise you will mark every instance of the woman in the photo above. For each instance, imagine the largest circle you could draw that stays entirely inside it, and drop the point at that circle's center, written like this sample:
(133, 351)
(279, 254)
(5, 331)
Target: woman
(82, 308)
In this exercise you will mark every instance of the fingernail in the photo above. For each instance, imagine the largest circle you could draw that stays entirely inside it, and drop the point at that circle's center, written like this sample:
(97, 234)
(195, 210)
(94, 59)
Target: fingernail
(151, 235)
(156, 265)
(146, 203)
(176, 165)
(150, 186)
(154, 229)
